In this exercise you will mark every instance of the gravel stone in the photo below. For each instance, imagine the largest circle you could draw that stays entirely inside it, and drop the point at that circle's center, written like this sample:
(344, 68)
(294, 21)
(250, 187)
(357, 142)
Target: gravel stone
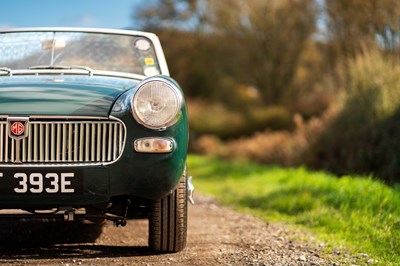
(217, 235)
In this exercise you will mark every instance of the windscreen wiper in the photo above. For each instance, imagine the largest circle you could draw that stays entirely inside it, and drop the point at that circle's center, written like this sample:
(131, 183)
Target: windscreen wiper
(7, 70)
(88, 69)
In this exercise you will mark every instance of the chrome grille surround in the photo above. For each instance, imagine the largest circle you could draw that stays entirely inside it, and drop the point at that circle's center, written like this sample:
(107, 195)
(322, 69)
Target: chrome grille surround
(63, 141)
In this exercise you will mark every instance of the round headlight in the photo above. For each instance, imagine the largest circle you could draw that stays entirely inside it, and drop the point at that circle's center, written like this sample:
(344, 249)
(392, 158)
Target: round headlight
(156, 103)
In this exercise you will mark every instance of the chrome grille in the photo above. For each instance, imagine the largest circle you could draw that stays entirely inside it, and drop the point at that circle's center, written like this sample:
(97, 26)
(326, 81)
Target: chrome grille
(64, 142)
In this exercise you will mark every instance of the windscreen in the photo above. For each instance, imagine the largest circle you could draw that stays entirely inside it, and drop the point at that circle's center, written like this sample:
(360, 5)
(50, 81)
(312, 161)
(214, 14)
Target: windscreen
(99, 51)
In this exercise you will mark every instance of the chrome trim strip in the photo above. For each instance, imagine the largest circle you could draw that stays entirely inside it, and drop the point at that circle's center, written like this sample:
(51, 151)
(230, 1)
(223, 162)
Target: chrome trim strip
(123, 142)
(83, 29)
(105, 73)
(65, 117)
(47, 165)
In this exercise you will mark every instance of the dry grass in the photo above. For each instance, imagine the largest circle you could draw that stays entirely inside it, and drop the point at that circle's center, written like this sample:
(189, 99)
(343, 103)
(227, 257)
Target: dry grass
(271, 147)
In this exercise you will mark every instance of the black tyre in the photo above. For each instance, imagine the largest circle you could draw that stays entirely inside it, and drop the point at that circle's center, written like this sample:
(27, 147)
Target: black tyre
(168, 221)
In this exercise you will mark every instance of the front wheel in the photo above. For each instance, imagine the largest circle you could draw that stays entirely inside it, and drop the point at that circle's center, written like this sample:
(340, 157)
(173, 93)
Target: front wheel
(168, 220)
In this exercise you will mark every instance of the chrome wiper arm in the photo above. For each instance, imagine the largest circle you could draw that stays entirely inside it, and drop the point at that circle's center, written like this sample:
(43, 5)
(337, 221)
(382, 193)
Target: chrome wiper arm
(7, 70)
(88, 69)
(49, 67)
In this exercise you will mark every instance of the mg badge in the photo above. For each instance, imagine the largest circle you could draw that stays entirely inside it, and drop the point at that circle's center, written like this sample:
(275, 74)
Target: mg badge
(18, 127)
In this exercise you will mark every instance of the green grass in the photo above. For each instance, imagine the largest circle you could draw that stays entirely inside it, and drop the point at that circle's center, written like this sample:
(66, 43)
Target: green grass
(360, 214)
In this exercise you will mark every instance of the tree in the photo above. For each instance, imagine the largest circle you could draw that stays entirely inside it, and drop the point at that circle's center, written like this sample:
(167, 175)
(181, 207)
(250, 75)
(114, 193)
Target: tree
(355, 24)
(255, 43)
(156, 15)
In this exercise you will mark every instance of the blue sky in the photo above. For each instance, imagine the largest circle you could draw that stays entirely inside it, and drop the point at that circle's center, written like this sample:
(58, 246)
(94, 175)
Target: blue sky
(67, 13)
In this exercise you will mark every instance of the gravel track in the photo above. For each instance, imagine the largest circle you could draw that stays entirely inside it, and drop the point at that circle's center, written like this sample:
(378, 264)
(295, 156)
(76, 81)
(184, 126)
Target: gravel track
(217, 236)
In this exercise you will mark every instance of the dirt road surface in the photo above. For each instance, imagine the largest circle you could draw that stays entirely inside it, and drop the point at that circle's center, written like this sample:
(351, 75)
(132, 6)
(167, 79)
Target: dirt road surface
(217, 236)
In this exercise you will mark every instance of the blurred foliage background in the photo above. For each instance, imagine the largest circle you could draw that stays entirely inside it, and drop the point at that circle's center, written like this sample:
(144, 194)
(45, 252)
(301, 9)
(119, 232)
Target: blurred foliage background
(288, 82)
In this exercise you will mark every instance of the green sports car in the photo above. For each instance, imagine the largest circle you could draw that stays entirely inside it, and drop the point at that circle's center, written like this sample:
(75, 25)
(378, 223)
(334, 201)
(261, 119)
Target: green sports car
(93, 127)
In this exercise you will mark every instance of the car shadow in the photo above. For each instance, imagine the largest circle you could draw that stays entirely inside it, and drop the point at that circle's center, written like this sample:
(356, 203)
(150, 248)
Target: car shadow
(58, 240)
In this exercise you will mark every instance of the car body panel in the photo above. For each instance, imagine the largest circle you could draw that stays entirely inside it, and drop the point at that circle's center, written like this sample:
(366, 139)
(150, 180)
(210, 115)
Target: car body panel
(86, 96)
(151, 175)
(148, 176)
(55, 95)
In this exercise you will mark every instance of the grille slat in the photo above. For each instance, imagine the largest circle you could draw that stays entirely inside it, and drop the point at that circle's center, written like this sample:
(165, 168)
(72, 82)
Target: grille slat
(12, 150)
(115, 139)
(70, 139)
(87, 142)
(58, 145)
(98, 146)
(46, 143)
(35, 142)
(92, 144)
(64, 142)
(109, 151)
(76, 129)
(81, 130)
(103, 151)
(2, 129)
(41, 141)
(121, 140)
(6, 146)
(52, 143)
(23, 150)
(29, 144)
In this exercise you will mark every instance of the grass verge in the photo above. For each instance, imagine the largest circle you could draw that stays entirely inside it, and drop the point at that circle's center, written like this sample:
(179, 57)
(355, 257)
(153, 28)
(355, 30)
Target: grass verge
(360, 214)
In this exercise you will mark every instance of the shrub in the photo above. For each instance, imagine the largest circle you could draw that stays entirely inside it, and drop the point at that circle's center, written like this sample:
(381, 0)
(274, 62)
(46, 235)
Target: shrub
(364, 136)
(213, 118)
(207, 118)
(359, 133)
(270, 117)
(272, 147)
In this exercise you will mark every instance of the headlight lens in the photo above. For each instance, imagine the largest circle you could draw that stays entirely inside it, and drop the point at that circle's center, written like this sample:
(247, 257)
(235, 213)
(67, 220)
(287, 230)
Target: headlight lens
(156, 103)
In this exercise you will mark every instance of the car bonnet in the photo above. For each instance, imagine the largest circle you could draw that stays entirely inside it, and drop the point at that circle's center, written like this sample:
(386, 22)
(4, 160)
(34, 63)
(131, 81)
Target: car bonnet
(61, 95)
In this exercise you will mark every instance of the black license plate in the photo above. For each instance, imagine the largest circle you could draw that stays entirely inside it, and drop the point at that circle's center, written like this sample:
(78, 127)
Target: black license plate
(49, 181)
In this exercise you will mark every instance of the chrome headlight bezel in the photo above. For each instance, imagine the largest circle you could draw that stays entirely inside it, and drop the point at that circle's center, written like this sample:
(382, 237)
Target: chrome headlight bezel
(146, 85)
